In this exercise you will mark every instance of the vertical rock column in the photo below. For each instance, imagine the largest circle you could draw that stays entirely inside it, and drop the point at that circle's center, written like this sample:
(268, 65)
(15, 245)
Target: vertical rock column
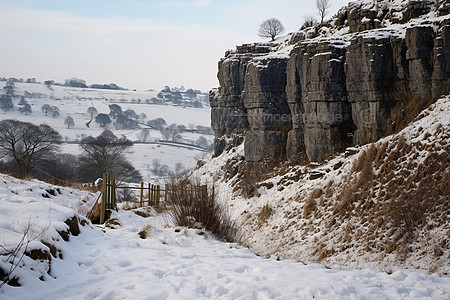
(441, 70)
(419, 55)
(295, 147)
(268, 112)
(370, 81)
(228, 114)
(327, 118)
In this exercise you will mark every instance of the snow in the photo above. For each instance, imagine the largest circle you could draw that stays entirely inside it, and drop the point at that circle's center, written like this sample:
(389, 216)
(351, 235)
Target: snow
(74, 102)
(172, 262)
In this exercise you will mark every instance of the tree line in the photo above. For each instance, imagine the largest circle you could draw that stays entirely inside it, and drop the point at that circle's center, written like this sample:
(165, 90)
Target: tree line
(32, 150)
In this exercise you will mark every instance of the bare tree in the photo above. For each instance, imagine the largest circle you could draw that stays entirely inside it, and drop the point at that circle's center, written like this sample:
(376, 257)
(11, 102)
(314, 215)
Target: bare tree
(180, 169)
(106, 153)
(27, 144)
(166, 133)
(69, 122)
(6, 102)
(142, 116)
(102, 119)
(115, 110)
(55, 111)
(270, 28)
(310, 21)
(144, 134)
(322, 8)
(156, 165)
(92, 111)
(25, 109)
(46, 109)
(157, 123)
(131, 114)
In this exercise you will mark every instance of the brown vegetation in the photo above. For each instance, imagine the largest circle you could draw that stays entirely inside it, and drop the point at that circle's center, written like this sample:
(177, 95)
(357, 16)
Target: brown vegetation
(144, 232)
(193, 204)
(264, 214)
(396, 193)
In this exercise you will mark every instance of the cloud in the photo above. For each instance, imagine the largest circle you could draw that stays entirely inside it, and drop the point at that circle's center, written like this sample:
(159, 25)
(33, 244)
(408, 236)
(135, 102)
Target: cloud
(196, 3)
(203, 3)
(132, 53)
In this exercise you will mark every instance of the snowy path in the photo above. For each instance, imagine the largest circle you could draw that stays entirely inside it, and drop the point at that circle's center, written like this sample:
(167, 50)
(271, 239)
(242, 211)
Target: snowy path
(118, 264)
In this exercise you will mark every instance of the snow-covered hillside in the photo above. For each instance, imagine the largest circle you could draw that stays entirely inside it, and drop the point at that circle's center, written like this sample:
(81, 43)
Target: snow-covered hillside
(114, 262)
(383, 206)
(74, 102)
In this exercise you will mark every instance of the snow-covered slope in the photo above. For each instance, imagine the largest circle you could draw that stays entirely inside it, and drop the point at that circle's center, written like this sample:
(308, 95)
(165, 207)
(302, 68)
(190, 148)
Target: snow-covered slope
(383, 205)
(37, 217)
(114, 262)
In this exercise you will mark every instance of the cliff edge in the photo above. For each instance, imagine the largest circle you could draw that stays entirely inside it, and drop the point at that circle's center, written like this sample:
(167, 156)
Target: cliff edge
(361, 76)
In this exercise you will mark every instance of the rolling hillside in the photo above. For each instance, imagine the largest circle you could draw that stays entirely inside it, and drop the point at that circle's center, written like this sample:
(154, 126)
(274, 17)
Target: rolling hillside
(74, 102)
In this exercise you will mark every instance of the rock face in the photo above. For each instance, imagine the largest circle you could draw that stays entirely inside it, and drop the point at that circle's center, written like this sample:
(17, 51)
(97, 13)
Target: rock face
(311, 98)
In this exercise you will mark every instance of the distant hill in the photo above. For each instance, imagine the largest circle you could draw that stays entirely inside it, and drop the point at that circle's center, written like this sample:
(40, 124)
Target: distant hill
(182, 122)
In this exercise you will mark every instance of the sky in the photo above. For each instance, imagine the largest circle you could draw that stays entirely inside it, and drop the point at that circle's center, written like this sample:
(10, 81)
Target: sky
(135, 43)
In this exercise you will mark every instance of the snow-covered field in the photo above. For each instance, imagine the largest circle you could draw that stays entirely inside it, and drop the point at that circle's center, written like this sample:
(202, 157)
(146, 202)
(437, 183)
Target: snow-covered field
(74, 102)
(171, 263)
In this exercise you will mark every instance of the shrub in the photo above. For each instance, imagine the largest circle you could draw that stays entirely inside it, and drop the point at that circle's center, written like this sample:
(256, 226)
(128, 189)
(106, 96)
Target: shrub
(190, 204)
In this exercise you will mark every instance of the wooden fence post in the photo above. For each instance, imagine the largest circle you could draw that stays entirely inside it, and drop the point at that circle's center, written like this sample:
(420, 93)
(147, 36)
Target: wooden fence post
(149, 194)
(142, 193)
(158, 195)
(113, 191)
(166, 192)
(103, 202)
(108, 191)
(154, 194)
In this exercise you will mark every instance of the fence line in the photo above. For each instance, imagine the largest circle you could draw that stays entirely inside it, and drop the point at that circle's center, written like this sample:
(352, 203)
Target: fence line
(109, 197)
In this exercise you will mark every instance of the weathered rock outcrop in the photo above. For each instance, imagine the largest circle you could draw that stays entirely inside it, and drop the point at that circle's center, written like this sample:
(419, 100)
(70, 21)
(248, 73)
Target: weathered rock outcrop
(311, 98)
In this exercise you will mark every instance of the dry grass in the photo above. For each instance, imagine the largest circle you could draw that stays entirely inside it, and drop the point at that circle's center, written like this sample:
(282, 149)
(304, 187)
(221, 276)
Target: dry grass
(130, 205)
(94, 214)
(112, 223)
(193, 204)
(144, 232)
(264, 214)
(405, 111)
(408, 194)
(142, 213)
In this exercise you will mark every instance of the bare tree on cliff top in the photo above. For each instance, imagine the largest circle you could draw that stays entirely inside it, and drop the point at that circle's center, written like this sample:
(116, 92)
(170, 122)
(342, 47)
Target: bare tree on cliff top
(270, 28)
(322, 8)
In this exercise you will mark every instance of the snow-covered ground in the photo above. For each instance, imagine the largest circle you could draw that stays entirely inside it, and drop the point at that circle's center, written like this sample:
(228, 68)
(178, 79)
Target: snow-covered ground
(172, 262)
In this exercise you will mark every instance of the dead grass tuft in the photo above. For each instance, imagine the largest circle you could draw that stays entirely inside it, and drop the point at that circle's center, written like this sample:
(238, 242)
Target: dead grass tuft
(309, 207)
(144, 232)
(142, 213)
(316, 193)
(112, 223)
(191, 204)
(130, 205)
(264, 214)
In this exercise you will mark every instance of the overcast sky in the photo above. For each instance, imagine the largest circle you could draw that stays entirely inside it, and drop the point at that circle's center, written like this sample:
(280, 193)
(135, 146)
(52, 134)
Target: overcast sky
(134, 43)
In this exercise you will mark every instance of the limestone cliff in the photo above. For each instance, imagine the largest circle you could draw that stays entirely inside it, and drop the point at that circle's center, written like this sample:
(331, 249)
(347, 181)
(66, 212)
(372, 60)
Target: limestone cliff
(320, 90)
